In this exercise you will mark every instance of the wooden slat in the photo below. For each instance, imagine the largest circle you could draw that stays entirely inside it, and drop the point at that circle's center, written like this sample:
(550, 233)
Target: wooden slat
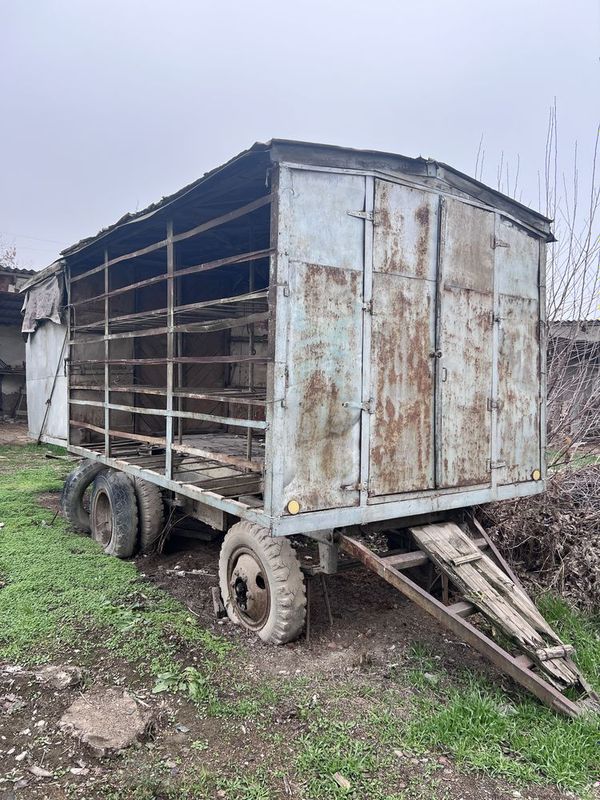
(191, 327)
(235, 461)
(148, 316)
(406, 560)
(242, 258)
(183, 360)
(484, 584)
(230, 216)
(239, 397)
(136, 437)
(462, 608)
(161, 412)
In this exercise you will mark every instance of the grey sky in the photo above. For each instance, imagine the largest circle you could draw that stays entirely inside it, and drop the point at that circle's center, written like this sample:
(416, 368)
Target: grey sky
(107, 105)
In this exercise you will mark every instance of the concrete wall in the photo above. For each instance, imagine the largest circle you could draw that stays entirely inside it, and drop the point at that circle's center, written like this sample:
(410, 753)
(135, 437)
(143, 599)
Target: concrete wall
(43, 351)
(12, 352)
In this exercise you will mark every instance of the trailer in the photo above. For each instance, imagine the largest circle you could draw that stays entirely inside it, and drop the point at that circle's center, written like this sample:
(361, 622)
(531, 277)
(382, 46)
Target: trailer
(317, 341)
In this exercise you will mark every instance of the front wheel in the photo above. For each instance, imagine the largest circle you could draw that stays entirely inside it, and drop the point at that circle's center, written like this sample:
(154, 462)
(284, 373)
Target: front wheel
(261, 583)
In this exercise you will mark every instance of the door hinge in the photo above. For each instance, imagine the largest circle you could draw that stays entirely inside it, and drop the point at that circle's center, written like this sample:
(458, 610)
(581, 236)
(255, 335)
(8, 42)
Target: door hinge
(361, 215)
(495, 465)
(368, 306)
(355, 487)
(368, 406)
(494, 405)
(498, 242)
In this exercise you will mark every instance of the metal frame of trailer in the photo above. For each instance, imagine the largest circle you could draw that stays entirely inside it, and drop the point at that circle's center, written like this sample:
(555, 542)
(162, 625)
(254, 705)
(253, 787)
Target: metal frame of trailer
(278, 416)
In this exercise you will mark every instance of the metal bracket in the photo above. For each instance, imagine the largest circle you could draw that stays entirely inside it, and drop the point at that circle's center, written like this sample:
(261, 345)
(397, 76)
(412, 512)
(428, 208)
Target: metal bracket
(368, 215)
(499, 243)
(368, 306)
(493, 404)
(355, 487)
(495, 465)
(368, 406)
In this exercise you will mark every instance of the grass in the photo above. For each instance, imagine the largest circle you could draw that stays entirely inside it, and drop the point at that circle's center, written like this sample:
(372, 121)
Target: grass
(518, 739)
(63, 598)
(62, 591)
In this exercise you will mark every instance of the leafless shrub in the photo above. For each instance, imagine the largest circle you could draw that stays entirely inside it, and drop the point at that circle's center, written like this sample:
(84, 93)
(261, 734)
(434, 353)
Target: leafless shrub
(573, 286)
(572, 289)
(553, 539)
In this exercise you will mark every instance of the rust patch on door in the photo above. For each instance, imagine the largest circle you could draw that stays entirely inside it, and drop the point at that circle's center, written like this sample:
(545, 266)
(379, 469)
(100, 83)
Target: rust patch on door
(324, 386)
(401, 451)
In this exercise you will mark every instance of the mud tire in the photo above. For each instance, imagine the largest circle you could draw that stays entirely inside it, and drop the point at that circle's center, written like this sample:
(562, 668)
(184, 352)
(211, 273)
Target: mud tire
(282, 575)
(114, 514)
(151, 513)
(71, 499)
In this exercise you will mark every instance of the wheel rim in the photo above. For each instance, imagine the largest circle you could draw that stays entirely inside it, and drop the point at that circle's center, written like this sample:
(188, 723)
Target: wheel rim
(249, 588)
(102, 519)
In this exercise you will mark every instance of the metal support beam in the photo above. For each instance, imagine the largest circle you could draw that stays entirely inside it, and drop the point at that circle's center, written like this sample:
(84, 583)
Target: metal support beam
(170, 348)
(544, 691)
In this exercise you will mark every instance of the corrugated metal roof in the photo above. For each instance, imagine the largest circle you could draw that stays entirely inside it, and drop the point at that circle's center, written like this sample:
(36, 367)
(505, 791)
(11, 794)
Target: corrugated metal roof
(16, 270)
(340, 156)
(56, 266)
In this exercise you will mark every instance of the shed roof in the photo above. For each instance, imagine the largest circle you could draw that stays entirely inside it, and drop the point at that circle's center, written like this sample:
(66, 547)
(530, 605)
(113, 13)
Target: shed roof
(15, 270)
(333, 156)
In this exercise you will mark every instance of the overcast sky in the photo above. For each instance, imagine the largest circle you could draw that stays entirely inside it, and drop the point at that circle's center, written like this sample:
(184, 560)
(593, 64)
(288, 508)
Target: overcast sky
(107, 105)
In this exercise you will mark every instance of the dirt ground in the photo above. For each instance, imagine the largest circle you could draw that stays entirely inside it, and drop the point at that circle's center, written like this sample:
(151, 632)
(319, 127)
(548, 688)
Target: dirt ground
(372, 634)
(14, 433)
(372, 623)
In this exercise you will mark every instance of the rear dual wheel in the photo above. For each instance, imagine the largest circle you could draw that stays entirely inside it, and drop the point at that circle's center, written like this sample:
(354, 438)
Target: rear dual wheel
(116, 500)
(114, 514)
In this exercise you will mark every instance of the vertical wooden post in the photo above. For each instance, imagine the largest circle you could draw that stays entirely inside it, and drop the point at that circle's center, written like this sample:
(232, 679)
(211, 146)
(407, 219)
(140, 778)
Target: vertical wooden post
(170, 349)
(106, 356)
(250, 365)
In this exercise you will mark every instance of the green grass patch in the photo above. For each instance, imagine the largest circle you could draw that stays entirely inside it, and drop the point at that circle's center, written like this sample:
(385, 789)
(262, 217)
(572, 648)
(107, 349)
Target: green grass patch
(62, 590)
(582, 631)
(204, 786)
(521, 741)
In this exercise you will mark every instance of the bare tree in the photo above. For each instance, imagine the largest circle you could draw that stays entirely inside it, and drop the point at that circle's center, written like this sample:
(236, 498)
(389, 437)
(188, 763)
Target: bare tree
(573, 300)
(8, 255)
(572, 289)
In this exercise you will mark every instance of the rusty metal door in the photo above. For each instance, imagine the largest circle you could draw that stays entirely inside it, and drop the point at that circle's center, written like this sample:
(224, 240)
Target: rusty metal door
(519, 368)
(322, 233)
(464, 345)
(401, 447)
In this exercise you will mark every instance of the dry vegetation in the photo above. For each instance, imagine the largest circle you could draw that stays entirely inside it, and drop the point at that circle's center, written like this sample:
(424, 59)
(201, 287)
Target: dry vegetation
(553, 539)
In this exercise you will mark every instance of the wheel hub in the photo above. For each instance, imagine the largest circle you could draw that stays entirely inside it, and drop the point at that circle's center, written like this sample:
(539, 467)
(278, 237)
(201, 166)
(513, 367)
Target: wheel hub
(249, 589)
(103, 519)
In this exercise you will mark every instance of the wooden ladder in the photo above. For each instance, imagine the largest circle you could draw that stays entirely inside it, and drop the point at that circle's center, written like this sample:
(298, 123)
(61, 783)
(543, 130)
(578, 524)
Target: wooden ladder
(487, 585)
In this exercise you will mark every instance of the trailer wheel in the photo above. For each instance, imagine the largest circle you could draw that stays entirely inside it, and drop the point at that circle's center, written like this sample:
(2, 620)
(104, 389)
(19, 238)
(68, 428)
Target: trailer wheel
(113, 513)
(71, 499)
(261, 583)
(151, 511)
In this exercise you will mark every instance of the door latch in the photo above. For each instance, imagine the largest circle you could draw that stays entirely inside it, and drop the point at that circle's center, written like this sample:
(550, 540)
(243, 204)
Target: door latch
(368, 215)
(368, 406)
(494, 405)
